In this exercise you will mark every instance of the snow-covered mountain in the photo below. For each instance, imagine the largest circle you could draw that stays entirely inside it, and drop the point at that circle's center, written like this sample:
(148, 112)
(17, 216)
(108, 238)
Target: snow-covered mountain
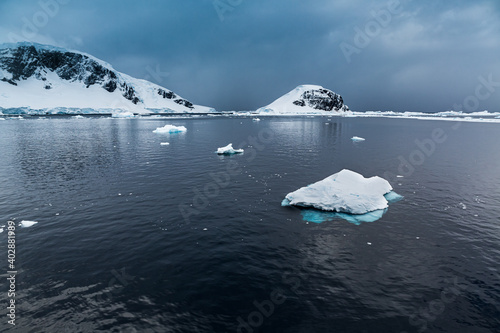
(42, 77)
(307, 99)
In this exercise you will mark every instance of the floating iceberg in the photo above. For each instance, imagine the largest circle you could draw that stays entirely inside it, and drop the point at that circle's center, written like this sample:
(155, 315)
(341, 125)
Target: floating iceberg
(357, 139)
(27, 224)
(78, 117)
(256, 119)
(228, 150)
(164, 143)
(170, 129)
(344, 192)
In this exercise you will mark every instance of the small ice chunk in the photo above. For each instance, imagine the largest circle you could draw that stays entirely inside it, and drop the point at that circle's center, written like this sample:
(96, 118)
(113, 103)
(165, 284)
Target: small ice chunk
(205, 229)
(170, 129)
(357, 139)
(1, 230)
(399, 176)
(344, 192)
(164, 143)
(229, 150)
(369, 243)
(27, 224)
(78, 117)
(256, 119)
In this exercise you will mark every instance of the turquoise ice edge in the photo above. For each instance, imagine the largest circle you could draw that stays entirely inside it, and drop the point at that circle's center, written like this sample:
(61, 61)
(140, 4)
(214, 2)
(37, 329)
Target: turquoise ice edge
(319, 216)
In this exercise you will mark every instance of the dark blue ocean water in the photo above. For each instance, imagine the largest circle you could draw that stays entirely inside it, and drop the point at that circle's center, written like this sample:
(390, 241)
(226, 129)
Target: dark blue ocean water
(138, 237)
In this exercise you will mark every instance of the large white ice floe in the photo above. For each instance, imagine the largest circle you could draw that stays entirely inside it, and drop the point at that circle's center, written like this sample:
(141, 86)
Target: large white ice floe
(344, 192)
(27, 224)
(170, 129)
(228, 150)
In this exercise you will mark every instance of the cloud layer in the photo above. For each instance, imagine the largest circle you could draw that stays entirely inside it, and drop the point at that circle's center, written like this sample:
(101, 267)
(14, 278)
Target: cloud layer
(240, 54)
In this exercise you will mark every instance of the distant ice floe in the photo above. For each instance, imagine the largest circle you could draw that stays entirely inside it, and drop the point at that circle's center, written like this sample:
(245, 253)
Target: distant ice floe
(256, 119)
(357, 139)
(478, 117)
(346, 194)
(78, 117)
(170, 129)
(164, 143)
(27, 224)
(229, 150)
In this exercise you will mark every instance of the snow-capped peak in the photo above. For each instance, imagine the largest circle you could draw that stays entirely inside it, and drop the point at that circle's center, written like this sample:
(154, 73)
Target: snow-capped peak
(306, 99)
(41, 76)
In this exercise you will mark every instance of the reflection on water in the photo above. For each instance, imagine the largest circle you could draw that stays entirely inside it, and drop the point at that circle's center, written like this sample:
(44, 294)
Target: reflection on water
(112, 251)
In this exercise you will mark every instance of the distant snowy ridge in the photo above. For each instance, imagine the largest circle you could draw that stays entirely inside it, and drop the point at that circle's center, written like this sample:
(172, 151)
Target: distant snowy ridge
(36, 77)
(478, 117)
(307, 99)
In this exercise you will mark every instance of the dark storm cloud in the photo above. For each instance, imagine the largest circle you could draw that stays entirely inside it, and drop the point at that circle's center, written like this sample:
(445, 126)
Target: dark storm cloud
(242, 54)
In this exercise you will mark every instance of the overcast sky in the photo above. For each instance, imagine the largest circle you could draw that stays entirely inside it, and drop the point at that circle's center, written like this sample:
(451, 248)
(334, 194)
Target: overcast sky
(406, 55)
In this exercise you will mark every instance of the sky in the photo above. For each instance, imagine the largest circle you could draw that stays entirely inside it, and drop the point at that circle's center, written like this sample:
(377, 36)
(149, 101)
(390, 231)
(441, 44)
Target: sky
(405, 55)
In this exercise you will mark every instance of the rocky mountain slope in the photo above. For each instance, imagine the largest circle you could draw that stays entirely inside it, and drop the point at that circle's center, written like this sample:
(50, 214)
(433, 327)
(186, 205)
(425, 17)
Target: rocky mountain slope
(36, 76)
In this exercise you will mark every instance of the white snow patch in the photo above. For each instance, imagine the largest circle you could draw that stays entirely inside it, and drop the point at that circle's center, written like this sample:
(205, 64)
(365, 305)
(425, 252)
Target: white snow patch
(229, 150)
(170, 129)
(123, 114)
(345, 192)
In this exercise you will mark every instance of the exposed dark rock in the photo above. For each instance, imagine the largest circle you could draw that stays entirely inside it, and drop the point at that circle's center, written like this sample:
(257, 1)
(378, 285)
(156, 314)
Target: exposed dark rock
(321, 99)
(184, 102)
(110, 86)
(166, 94)
(9, 81)
(299, 102)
